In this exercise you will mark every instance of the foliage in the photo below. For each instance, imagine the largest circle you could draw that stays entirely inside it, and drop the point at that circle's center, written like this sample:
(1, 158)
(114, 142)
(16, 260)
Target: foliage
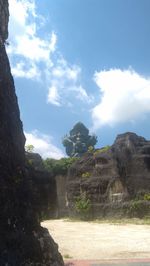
(138, 208)
(91, 149)
(83, 205)
(17, 179)
(67, 256)
(147, 196)
(29, 148)
(86, 175)
(104, 149)
(78, 141)
(58, 167)
(30, 162)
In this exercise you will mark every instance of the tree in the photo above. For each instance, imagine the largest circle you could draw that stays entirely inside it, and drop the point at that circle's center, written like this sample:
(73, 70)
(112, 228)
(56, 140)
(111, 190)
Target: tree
(78, 141)
(58, 167)
(29, 148)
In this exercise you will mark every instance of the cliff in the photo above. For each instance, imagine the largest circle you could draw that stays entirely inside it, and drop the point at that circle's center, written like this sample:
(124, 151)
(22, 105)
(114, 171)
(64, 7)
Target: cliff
(112, 176)
(44, 187)
(22, 240)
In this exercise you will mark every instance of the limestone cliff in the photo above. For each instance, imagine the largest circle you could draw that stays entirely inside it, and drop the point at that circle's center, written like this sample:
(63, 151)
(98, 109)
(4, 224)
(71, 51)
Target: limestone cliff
(112, 175)
(22, 240)
(44, 187)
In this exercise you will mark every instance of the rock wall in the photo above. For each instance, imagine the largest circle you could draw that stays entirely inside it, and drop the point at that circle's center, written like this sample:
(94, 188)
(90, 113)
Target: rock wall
(132, 153)
(61, 183)
(111, 176)
(44, 187)
(22, 240)
(4, 20)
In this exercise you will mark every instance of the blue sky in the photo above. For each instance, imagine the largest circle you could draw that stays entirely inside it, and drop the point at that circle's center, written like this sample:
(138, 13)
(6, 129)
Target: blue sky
(80, 60)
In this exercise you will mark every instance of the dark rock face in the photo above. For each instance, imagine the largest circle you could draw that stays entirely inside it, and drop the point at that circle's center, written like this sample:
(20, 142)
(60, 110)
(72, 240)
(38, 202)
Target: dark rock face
(4, 20)
(61, 182)
(111, 176)
(44, 187)
(22, 240)
(133, 155)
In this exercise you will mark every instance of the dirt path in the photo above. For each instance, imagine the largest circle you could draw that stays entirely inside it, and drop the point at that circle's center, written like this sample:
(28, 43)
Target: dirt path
(95, 241)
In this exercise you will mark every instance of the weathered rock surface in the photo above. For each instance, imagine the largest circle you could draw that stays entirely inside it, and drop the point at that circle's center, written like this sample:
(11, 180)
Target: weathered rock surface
(111, 176)
(133, 155)
(61, 183)
(4, 20)
(22, 240)
(44, 187)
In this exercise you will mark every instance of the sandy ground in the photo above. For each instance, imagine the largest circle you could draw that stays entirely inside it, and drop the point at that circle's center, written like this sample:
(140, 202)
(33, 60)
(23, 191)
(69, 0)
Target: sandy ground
(90, 240)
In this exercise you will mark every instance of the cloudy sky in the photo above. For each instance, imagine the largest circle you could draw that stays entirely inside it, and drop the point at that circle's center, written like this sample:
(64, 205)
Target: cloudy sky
(80, 60)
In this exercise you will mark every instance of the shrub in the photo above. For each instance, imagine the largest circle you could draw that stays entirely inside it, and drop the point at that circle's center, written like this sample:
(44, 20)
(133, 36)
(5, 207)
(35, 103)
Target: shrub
(91, 149)
(83, 206)
(138, 208)
(86, 175)
(59, 167)
(104, 149)
(147, 196)
(30, 162)
(29, 148)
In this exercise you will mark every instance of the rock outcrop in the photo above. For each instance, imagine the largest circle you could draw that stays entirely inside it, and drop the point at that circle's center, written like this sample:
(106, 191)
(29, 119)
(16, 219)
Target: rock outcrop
(4, 20)
(44, 187)
(111, 175)
(22, 240)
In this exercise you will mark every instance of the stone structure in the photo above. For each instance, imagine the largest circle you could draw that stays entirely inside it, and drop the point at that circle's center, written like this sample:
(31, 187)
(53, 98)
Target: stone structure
(111, 176)
(22, 240)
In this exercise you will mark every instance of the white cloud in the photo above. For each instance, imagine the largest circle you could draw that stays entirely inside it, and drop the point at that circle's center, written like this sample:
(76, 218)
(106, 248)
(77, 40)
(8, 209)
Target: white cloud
(53, 96)
(23, 70)
(24, 40)
(65, 84)
(43, 145)
(36, 57)
(125, 95)
(82, 95)
(64, 70)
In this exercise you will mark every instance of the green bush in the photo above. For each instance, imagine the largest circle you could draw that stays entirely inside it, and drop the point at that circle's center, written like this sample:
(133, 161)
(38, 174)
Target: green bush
(59, 167)
(29, 148)
(30, 162)
(138, 208)
(83, 206)
(147, 196)
(91, 149)
(86, 175)
(104, 149)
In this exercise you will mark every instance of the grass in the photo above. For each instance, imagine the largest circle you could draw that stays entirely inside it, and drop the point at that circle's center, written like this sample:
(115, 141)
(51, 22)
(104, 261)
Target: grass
(104, 149)
(67, 256)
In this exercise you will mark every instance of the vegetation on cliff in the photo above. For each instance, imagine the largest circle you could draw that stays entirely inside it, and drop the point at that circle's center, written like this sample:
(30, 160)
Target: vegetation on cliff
(58, 167)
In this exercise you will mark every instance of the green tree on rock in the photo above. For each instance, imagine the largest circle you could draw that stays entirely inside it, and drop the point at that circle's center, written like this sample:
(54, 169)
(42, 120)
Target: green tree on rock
(78, 141)
(29, 148)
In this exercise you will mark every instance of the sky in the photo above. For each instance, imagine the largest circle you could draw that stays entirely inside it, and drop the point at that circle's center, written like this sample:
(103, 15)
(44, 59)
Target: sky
(80, 60)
